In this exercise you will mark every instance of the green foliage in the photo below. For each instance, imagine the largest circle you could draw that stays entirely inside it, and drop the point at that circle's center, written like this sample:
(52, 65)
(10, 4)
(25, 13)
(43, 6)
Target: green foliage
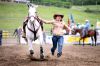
(75, 2)
(85, 2)
(57, 3)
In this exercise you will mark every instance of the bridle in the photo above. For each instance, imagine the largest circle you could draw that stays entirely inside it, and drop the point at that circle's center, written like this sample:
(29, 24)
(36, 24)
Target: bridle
(35, 17)
(35, 30)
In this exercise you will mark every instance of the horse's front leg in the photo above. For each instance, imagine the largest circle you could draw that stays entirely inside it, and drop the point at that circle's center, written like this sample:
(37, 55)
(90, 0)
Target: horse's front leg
(83, 41)
(30, 46)
(41, 47)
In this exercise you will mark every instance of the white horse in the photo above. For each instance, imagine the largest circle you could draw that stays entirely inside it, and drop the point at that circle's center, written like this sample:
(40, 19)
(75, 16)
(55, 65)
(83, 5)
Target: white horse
(34, 30)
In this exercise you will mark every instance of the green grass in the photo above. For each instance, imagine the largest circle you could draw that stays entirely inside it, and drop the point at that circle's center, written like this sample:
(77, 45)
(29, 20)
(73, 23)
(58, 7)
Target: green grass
(12, 15)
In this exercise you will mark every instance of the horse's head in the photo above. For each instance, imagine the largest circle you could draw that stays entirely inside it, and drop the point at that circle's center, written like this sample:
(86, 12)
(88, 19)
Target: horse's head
(32, 11)
(75, 31)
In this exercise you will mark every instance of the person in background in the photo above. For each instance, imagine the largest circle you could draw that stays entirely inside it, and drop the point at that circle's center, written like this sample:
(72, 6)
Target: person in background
(86, 28)
(1, 37)
(78, 25)
(17, 33)
(57, 32)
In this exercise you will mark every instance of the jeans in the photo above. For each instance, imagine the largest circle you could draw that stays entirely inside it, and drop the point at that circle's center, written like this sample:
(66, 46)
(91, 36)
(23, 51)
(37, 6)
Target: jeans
(57, 40)
(84, 32)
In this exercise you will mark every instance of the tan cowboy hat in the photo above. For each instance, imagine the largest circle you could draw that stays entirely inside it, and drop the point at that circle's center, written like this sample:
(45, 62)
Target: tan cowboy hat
(55, 15)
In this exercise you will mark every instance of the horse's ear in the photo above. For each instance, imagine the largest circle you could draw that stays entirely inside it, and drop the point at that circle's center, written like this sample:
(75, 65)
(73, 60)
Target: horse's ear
(28, 4)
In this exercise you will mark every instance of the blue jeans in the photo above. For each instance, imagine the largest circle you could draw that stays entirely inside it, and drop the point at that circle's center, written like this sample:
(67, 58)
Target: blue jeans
(57, 40)
(84, 32)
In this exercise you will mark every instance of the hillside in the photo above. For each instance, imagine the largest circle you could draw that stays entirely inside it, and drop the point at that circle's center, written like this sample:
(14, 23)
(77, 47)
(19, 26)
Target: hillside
(12, 15)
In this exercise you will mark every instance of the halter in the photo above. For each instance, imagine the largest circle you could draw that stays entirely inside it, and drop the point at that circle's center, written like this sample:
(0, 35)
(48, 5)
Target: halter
(35, 17)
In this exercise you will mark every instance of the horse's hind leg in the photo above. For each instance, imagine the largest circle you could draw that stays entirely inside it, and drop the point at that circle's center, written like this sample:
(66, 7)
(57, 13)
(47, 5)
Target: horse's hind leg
(95, 39)
(83, 41)
(92, 41)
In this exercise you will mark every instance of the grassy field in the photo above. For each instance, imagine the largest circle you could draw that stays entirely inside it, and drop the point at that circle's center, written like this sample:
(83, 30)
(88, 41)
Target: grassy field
(12, 15)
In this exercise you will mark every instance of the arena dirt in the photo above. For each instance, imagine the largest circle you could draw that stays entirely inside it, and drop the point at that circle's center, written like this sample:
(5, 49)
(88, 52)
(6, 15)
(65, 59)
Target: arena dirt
(73, 55)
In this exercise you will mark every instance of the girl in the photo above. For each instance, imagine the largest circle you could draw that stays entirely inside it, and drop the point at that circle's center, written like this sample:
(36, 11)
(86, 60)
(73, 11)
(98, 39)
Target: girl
(57, 31)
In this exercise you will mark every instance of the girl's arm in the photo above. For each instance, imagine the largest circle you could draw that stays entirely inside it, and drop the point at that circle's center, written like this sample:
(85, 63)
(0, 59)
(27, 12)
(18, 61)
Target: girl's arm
(46, 21)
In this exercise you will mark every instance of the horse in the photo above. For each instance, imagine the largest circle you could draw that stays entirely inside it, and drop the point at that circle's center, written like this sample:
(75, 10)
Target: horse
(34, 30)
(91, 33)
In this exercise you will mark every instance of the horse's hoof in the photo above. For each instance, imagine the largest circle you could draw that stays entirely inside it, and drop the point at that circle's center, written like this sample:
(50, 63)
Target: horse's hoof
(41, 56)
(31, 52)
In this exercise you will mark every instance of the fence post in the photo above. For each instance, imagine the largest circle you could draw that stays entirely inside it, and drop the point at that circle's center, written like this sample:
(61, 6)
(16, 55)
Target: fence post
(0, 37)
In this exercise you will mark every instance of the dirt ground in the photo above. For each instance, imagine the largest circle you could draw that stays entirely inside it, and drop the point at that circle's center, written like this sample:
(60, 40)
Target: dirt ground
(73, 55)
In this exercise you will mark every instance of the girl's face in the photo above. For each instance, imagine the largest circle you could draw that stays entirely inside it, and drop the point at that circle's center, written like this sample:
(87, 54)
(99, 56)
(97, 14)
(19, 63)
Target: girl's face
(58, 18)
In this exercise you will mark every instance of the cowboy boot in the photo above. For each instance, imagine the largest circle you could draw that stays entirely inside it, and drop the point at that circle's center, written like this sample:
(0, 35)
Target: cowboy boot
(24, 35)
(24, 31)
(59, 54)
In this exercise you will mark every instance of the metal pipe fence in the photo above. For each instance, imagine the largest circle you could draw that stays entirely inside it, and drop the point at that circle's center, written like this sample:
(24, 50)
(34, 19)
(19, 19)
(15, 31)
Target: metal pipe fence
(8, 36)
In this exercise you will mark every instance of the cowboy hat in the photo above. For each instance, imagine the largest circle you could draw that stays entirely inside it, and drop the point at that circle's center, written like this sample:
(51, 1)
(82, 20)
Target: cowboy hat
(55, 15)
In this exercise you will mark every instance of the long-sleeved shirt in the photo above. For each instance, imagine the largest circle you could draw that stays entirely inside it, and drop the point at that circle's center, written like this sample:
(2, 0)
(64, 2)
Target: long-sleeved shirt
(87, 25)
